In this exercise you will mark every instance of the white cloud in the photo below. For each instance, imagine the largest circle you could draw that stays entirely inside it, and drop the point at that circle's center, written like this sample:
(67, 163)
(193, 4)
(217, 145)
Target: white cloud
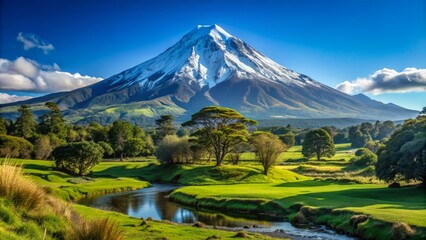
(29, 76)
(30, 40)
(7, 98)
(387, 81)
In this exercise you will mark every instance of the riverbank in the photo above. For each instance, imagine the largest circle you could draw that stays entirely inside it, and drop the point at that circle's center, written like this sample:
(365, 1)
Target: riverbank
(370, 211)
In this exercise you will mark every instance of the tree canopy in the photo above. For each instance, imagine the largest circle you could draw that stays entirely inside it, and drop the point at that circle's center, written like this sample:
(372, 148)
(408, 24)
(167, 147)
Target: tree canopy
(404, 157)
(318, 143)
(25, 125)
(221, 128)
(268, 147)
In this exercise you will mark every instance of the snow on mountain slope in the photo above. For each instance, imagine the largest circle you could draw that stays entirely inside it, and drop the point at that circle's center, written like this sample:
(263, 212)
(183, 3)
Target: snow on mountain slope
(207, 56)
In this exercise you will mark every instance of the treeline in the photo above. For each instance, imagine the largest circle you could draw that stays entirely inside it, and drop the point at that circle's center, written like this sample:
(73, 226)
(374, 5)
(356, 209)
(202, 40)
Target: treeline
(28, 138)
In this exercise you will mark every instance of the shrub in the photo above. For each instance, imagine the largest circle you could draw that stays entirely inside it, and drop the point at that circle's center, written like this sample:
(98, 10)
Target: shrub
(23, 192)
(42, 147)
(364, 157)
(289, 139)
(99, 229)
(401, 230)
(77, 157)
(174, 149)
(11, 146)
(134, 147)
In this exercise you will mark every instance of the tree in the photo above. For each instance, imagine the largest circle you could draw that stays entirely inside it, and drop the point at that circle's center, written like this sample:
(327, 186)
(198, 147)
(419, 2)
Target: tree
(108, 151)
(25, 125)
(289, 139)
(236, 152)
(134, 147)
(11, 146)
(53, 122)
(119, 133)
(219, 127)
(423, 111)
(318, 143)
(164, 127)
(3, 129)
(267, 148)
(174, 149)
(149, 146)
(357, 137)
(97, 132)
(404, 157)
(42, 147)
(386, 130)
(77, 157)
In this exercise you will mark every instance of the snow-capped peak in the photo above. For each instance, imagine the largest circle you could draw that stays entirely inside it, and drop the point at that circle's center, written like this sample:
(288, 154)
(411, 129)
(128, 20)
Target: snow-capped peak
(206, 56)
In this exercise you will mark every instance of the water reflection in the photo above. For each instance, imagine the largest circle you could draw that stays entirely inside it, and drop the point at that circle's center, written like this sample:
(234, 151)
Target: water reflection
(153, 202)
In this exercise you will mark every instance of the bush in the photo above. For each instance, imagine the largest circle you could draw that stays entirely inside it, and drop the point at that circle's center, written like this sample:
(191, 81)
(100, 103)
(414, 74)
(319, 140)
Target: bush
(100, 229)
(11, 146)
(134, 147)
(289, 139)
(42, 147)
(23, 192)
(78, 157)
(364, 157)
(401, 230)
(174, 149)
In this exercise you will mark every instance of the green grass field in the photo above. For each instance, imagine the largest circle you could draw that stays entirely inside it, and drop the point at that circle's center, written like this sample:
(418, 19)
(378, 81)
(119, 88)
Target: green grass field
(387, 204)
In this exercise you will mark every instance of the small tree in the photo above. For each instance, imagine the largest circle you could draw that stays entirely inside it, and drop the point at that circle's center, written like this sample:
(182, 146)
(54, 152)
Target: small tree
(237, 151)
(134, 147)
(318, 143)
(219, 127)
(268, 147)
(77, 157)
(25, 125)
(42, 147)
(108, 151)
(364, 157)
(119, 133)
(173, 149)
(165, 126)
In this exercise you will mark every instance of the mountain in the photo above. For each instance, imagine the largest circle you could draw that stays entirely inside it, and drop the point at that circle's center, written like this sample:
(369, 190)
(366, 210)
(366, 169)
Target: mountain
(208, 66)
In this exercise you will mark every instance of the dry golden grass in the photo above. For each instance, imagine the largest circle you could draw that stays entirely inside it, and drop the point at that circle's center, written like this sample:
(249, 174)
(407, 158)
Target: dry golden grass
(99, 229)
(22, 191)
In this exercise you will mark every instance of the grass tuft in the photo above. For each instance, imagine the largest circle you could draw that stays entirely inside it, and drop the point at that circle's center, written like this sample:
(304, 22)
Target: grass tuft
(14, 186)
(99, 229)
(401, 230)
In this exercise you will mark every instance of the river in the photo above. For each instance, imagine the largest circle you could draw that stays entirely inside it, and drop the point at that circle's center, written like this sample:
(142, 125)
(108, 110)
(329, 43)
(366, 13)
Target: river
(153, 202)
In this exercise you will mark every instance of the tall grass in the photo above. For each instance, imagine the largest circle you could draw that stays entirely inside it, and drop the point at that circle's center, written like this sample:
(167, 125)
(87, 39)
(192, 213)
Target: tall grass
(99, 229)
(14, 186)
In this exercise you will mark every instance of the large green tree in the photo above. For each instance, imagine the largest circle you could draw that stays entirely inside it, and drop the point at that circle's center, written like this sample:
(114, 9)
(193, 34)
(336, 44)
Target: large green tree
(53, 122)
(404, 157)
(219, 127)
(25, 125)
(318, 143)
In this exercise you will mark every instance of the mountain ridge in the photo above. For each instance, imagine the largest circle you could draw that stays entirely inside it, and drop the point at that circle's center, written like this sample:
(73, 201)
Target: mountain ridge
(209, 66)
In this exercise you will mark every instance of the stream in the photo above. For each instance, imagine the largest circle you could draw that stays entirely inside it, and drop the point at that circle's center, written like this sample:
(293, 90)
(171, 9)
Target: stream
(153, 202)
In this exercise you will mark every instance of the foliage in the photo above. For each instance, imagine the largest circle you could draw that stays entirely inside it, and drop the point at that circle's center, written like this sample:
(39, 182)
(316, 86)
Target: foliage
(404, 157)
(357, 137)
(97, 133)
(374, 146)
(174, 149)
(108, 151)
(42, 147)
(11, 146)
(119, 133)
(237, 150)
(364, 157)
(3, 128)
(25, 125)
(53, 122)
(268, 147)
(134, 147)
(164, 127)
(78, 157)
(289, 139)
(219, 127)
(318, 143)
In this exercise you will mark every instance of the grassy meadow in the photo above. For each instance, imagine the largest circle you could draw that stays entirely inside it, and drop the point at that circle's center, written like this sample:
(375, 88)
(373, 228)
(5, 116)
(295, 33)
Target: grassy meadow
(328, 192)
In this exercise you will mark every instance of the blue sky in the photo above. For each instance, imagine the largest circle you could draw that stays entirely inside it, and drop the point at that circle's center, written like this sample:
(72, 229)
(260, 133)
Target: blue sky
(330, 41)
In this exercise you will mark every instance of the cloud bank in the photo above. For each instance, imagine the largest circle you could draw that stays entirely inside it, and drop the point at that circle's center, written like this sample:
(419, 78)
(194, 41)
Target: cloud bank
(26, 75)
(8, 98)
(387, 81)
(30, 40)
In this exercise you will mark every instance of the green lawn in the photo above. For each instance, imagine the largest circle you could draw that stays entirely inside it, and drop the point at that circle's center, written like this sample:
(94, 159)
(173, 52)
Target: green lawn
(387, 204)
